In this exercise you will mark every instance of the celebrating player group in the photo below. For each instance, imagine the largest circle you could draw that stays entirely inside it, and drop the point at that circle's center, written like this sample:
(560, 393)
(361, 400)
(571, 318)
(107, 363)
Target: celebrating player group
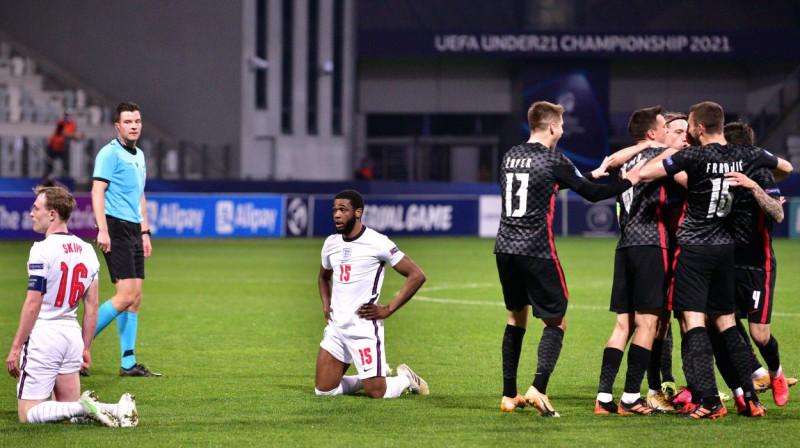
(696, 204)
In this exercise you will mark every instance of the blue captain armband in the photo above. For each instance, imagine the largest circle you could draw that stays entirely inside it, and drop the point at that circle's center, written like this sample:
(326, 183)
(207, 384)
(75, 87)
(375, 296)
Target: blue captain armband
(37, 283)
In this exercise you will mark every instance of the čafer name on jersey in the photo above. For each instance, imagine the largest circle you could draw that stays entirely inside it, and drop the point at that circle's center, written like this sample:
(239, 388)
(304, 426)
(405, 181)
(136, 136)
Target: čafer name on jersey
(518, 163)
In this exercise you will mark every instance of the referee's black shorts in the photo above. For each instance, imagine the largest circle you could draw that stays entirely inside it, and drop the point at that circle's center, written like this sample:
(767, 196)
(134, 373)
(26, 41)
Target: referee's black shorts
(538, 282)
(126, 257)
(641, 279)
(704, 279)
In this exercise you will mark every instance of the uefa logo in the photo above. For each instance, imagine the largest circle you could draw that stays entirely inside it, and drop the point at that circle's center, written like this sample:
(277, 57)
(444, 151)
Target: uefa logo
(600, 218)
(297, 217)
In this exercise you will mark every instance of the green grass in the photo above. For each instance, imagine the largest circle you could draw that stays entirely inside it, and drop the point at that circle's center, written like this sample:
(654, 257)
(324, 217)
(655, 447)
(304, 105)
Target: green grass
(234, 326)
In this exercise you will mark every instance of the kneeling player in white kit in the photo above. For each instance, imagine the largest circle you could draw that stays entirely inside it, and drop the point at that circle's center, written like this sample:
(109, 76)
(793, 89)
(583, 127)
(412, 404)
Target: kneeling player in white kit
(350, 280)
(50, 346)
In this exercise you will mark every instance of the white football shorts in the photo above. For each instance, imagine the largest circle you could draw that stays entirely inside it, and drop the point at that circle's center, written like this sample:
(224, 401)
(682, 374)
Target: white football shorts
(51, 350)
(360, 343)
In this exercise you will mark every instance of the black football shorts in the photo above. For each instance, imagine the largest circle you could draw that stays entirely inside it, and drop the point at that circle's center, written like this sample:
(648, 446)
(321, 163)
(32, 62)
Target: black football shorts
(538, 282)
(754, 292)
(703, 280)
(641, 279)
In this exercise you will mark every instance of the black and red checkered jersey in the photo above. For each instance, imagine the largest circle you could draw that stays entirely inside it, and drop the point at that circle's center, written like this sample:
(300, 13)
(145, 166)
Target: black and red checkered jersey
(530, 176)
(751, 228)
(642, 209)
(710, 198)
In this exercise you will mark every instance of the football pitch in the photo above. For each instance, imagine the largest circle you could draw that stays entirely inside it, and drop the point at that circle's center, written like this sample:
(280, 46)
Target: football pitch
(234, 327)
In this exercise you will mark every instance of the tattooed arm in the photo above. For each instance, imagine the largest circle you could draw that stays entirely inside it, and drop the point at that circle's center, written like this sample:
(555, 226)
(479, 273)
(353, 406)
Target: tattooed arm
(772, 207)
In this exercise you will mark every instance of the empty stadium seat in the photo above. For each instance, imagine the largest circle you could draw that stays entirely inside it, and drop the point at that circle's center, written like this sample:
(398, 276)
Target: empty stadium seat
(17, 66)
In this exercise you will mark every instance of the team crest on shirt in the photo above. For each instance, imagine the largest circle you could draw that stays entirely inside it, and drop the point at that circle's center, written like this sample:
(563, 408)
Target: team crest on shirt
(346, 253)
(35, 266)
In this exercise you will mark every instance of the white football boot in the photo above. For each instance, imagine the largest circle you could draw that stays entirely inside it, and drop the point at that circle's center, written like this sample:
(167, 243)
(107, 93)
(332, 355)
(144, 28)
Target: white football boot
(96, 412)
(418, 385)
(126, 410)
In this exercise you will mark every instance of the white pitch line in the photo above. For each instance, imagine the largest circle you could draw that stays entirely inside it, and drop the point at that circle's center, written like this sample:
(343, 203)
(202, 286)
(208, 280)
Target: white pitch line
(458, 301)
(492, 303)
(445, 286)
(499, 302)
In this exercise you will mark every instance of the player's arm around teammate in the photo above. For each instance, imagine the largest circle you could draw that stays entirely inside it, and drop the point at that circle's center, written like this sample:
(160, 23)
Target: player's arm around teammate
(771, 206)
(783, 170)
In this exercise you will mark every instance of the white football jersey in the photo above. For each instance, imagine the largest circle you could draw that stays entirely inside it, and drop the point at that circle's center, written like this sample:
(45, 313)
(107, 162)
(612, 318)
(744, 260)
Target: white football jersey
(62, 266)
(358, 268)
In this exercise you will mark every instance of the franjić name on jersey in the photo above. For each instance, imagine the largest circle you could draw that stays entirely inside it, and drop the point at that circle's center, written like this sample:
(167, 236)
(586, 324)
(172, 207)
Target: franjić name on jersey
(724, 167)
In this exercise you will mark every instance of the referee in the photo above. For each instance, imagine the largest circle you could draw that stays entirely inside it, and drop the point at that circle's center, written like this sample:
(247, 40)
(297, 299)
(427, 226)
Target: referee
(122, 231)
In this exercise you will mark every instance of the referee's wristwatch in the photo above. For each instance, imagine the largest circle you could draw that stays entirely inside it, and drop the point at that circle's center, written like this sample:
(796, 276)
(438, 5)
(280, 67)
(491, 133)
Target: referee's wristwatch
(147, 232)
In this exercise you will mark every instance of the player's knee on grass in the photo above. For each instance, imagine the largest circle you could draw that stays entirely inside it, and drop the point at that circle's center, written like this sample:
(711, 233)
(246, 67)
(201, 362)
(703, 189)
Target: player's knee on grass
(375, 387)
(335, 391)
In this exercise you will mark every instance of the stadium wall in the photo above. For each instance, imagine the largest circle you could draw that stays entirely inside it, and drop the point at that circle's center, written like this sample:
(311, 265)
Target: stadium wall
(179, 60)
(308, 215)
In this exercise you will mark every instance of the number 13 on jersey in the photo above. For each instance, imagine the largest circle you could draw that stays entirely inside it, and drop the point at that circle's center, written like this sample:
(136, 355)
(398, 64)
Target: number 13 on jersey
(522, 193)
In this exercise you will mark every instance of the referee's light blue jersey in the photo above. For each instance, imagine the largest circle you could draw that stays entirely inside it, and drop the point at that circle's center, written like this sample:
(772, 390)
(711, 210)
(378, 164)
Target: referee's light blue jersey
(125, 174)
